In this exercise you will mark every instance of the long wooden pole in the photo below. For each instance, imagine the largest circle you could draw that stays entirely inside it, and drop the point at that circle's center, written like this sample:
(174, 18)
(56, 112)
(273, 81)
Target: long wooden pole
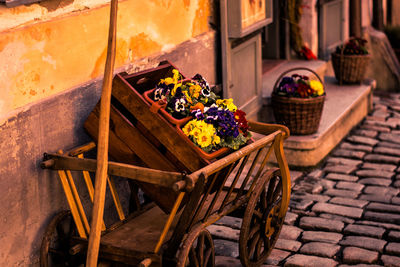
(102, 149)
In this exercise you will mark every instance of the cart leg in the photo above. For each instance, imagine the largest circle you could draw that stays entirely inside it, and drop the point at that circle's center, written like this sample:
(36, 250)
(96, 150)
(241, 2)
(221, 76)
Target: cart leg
(197, 249)
(262, 221)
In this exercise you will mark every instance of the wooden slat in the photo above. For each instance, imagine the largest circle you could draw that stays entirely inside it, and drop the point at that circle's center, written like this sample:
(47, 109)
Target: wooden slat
(163, 131)
(81, 149)
(162, 178)
(260, 169)
(225, 161)
(234, 182)
(123, 148)
(72, 205)
(115, 197)
(118, 149)
(131, 137)
(89, 186)
(78, 201)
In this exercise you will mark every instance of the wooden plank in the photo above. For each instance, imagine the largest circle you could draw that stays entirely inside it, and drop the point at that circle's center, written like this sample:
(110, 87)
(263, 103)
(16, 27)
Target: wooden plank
(140, 234)
(148, 79)
(162, 130)
(136, 141)
(122, 148)
(163, 178)
(118, 150)
(124, 144)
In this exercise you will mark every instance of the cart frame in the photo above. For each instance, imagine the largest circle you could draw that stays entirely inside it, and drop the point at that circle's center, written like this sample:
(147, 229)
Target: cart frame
(210, 197)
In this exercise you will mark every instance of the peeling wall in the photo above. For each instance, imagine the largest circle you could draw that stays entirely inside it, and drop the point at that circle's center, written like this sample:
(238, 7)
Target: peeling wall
(49, 47)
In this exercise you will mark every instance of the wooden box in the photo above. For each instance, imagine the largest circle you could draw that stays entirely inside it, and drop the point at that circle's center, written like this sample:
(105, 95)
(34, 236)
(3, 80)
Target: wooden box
(139, 136)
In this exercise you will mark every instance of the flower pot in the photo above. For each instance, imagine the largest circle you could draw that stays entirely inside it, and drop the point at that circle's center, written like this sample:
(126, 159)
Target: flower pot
(160, 107)
(207, 156)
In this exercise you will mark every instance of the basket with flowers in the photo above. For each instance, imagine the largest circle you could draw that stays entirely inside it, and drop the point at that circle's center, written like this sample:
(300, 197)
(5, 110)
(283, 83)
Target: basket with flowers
(297, 101)
(212, 125)
(350, 61)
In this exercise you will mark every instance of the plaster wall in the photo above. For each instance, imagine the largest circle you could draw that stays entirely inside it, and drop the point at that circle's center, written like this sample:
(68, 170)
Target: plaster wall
(52, 58)
(49, 47)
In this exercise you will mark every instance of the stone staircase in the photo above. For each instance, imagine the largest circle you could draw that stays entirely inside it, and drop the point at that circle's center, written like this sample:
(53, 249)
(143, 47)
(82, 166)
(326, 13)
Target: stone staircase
(345, 106)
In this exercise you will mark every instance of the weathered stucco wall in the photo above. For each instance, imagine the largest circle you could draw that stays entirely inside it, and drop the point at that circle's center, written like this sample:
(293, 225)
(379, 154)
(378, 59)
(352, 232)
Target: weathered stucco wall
(52, 60)
(45, 48)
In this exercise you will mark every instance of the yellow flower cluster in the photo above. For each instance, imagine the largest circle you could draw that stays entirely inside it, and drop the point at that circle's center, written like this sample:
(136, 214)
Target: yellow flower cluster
(226, 103)
(202, 133)
(317, 87)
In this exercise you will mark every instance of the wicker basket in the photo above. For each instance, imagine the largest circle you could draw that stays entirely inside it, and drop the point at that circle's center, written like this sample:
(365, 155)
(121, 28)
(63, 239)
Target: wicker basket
(349, 68)
(300, 115)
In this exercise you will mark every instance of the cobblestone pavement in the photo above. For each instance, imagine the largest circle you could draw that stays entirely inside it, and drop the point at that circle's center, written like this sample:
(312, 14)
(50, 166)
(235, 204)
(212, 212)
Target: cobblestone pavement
(344, 213)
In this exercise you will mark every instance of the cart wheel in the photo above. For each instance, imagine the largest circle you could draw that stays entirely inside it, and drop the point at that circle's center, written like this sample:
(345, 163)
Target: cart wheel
(261, 222)
(54, 250)
(197, 249)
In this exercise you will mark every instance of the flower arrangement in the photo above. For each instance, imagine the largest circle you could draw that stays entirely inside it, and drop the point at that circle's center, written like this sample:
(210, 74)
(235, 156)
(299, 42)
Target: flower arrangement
(216, 123)
(355, 46)
(181, 97)
(299, 86)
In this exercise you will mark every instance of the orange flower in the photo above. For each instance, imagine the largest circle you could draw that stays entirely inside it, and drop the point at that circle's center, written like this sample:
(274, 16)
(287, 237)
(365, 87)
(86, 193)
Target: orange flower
(197, 106)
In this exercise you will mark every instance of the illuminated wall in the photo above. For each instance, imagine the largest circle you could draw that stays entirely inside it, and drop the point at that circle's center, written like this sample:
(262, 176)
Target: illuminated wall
(49, 47)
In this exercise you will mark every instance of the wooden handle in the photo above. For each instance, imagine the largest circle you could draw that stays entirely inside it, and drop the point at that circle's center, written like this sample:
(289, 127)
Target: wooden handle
(266, 128)
(293, 69)
(102, 150)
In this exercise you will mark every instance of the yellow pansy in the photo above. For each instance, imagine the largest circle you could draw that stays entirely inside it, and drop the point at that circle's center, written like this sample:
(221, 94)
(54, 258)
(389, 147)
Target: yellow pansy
(317, 87)
(228, 103)
(204, 139)
(216, 139)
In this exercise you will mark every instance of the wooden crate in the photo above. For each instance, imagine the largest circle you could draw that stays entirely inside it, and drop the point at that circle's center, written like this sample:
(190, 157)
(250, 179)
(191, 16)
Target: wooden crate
(139, 136)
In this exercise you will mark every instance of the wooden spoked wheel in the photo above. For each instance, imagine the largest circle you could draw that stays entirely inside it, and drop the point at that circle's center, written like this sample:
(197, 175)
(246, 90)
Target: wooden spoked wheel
(197, 249)
(261, 222)
(56, 242)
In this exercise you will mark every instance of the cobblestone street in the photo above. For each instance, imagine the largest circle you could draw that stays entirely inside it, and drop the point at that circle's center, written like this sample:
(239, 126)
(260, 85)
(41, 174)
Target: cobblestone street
(347, 211)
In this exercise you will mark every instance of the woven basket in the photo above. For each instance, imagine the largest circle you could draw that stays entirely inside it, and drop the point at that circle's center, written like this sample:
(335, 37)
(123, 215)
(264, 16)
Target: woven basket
(349, 68)
(300, 115)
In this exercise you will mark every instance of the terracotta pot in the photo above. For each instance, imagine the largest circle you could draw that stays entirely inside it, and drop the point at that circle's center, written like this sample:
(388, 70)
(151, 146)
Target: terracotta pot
(208, 156)
(161, 107)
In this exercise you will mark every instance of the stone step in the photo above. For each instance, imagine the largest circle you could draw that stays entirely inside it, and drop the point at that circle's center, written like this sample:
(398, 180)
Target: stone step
(345, 106)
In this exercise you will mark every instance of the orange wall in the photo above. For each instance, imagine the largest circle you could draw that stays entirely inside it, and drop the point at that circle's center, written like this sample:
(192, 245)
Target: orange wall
(46, 50)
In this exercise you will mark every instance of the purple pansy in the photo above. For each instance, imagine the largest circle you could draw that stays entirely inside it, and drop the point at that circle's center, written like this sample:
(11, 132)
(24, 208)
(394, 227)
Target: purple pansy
(162, 90)
(223, 120)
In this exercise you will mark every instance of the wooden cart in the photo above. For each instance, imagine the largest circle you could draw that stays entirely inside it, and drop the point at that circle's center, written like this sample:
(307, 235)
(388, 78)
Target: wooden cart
(241, 184)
